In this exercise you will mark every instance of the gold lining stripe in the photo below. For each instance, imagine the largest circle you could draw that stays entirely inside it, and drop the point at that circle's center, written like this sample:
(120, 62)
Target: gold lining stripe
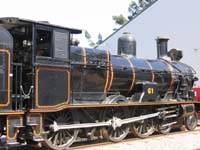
(112, 77)
(112, 105)
(11, 113)
(37, 80)
(172, 75)
(152, 72)
(34, 130)
(107, 72)
(7, 126)
(133, 73)
(84, 57)
(8, 53)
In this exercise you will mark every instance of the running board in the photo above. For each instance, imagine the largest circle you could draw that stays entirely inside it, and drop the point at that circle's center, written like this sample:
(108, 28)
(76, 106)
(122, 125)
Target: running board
(114, 122)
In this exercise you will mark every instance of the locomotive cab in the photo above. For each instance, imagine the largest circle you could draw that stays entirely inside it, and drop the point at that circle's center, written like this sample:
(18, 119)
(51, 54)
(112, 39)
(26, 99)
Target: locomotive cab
(35, 44)
(33, 56)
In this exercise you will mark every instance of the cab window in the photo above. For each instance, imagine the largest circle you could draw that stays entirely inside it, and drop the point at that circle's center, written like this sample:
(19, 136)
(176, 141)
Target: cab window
(43, 43)
(61, 44)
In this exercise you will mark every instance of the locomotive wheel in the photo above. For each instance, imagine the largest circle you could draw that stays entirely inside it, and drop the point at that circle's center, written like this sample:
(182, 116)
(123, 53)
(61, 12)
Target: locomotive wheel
(115, 134)
(191, 121)
(61, 139)
(164, 130)
(144, 128)
(118, 133)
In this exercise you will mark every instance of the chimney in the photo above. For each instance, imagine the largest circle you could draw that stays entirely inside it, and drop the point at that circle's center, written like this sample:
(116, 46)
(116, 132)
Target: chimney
(162, 47)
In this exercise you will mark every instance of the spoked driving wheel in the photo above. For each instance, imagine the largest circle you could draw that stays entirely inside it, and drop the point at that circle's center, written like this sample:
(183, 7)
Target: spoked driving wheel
(142, 128)
(191, 121)
(116, 132)
(164, 129)
(61, 139)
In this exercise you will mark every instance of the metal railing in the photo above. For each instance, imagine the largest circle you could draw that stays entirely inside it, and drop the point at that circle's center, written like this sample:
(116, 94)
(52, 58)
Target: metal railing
(17, 82)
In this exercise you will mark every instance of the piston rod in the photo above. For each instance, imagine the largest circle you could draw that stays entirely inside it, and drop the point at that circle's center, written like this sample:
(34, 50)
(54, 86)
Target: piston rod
(114, 122)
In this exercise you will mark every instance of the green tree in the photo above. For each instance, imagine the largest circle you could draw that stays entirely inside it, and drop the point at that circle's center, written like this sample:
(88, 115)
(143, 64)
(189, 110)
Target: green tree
(87, 35)
(133, 9)
(100, 39)
(90, 41)
(120, 19)
(145, 3)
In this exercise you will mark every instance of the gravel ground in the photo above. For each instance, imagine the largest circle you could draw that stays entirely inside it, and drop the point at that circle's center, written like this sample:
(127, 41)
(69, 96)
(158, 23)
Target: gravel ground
(182, 141)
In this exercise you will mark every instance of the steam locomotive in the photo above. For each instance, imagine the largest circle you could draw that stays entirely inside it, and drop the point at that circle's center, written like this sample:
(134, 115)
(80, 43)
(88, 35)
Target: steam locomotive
(55, 93)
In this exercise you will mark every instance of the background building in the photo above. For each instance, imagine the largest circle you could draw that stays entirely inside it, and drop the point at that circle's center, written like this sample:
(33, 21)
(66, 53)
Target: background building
(176, 19)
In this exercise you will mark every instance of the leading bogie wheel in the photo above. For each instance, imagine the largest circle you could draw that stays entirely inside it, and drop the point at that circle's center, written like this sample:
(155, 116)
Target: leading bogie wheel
(191, 121)
(61, 139)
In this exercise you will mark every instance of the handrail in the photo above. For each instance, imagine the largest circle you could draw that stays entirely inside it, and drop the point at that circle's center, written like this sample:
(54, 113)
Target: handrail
(17, 82)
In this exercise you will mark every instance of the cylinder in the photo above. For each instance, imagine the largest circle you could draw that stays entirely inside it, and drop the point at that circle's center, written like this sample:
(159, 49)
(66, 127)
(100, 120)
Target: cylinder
(162, 49)
(127, 44)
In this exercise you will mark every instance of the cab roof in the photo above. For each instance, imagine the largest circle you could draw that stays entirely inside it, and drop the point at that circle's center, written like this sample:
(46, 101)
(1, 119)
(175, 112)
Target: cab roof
(13, 21)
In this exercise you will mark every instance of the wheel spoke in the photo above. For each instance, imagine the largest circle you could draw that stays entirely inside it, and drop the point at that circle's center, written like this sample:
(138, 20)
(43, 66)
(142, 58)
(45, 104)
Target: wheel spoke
(52, 136)
(66, 138)
(60, 138)
(55, 140)
(68, 133)
(115, 134)
(141, 128)
(121, 131)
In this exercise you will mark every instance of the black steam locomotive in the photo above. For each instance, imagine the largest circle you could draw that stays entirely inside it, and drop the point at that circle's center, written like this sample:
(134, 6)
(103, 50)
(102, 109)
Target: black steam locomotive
(54, 92)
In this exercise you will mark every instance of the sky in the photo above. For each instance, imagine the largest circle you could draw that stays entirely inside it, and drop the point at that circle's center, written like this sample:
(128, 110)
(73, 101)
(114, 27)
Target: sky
(95, 16)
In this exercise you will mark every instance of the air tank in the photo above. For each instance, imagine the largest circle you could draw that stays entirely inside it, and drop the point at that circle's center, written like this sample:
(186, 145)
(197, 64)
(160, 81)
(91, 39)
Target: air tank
(127, 44)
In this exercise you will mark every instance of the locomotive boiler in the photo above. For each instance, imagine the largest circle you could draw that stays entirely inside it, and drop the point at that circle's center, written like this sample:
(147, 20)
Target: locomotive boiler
(139, 79)
(55, 93)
